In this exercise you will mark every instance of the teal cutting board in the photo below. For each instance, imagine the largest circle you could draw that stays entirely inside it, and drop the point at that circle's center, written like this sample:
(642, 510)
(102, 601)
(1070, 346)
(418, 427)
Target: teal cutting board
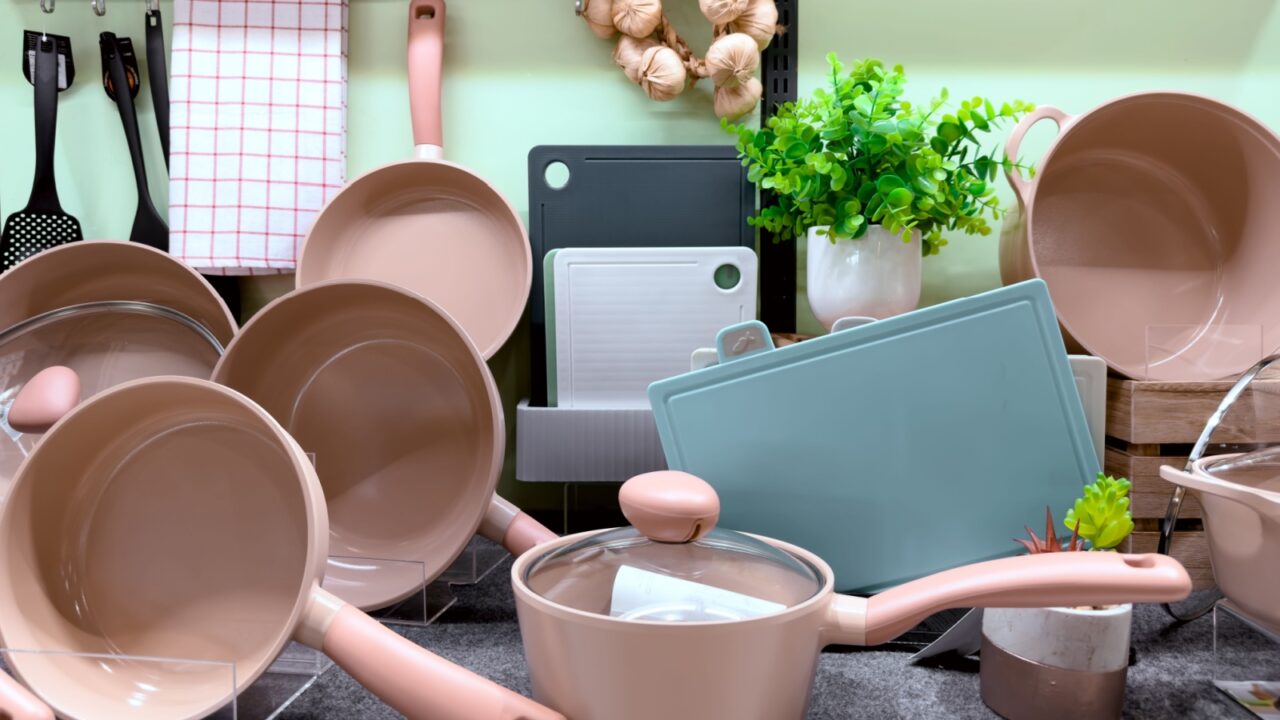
(895, 449)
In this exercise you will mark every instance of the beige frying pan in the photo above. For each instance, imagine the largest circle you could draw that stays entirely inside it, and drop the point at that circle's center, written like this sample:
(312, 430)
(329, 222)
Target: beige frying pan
(425, 224)
(400, 413)
(102, 270)
(172, 517)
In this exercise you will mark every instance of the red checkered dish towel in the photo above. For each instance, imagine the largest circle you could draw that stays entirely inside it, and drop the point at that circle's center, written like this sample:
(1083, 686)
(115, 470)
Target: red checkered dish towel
(258, 129)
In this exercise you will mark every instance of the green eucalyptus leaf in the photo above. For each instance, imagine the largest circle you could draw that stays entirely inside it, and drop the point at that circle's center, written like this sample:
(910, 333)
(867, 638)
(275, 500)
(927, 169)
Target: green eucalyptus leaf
(899, 198)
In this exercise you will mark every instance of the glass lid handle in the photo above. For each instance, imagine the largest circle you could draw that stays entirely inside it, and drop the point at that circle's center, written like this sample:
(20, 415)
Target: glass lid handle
(47, 396)
(669, 506)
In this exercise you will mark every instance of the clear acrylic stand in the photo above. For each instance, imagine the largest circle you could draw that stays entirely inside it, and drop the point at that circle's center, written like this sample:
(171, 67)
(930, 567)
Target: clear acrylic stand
(1178, 352)
(1246, 660)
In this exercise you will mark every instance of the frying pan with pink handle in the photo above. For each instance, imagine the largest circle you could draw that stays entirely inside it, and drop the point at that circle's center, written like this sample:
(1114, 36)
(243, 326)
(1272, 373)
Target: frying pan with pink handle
(402, 417)
(426, 224)
(173, 517)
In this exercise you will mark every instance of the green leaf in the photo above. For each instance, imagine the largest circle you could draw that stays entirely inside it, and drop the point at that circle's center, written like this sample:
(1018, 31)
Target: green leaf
(1103, 513)
(950, 131)
(888, 183)
(796, 150)
(899, 198)
(979, 121)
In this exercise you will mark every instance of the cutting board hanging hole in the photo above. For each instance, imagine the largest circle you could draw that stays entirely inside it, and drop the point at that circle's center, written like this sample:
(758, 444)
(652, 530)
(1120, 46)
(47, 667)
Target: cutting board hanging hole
(426, 12)
(727, 277)
(556, 174)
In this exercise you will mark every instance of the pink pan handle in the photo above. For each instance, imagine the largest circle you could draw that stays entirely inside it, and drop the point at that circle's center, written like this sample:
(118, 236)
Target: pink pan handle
(17, 703)
(511, 527)
(416, 682)
(1024, 187)
(1045, 580)
(52, 393)
(426, 57)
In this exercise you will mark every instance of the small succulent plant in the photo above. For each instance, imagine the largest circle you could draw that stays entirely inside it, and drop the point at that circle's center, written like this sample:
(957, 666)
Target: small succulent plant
(1103, 513)
(1102, 517)
(1050, 543)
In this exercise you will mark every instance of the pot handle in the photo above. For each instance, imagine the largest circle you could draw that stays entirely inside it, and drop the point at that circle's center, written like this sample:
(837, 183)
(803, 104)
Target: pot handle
(1044, 580)
(410, 679)
(1024, 187)
(47, 396)
(18, 703)
(1251, 498)
(426, 56)
(513, 528)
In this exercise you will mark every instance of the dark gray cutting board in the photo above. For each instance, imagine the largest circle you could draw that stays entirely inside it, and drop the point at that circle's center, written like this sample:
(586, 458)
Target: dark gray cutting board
(631, 196)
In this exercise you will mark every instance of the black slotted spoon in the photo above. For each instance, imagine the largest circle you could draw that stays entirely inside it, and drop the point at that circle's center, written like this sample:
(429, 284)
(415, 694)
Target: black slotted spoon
(42, 224)
(148, 227)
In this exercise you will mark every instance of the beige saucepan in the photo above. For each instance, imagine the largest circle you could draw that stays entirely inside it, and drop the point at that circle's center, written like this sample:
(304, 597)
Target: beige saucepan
(173, 517)
(1152, 223)
(401, 416)
(677, 619)
(426, 224)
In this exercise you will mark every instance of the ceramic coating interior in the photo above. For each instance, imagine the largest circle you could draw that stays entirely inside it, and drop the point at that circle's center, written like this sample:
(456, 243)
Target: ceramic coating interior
(166, 517)
(436, 229)
(106, 343)
(1150, 219)
(401, 414)
(97, 270)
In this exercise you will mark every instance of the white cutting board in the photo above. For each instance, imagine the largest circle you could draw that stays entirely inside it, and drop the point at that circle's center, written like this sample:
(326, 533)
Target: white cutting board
(625, 317)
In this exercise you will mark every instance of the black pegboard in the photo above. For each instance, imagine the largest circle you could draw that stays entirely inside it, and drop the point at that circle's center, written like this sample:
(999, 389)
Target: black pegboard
(778, 259)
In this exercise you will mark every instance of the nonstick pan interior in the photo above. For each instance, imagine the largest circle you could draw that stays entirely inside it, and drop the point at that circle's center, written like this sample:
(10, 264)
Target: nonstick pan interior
(1151, 245)
(402, 416)
(165, 517)
(436, 229)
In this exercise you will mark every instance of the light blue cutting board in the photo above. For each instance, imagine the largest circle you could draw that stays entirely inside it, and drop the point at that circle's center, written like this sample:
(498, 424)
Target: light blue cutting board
(895, 449)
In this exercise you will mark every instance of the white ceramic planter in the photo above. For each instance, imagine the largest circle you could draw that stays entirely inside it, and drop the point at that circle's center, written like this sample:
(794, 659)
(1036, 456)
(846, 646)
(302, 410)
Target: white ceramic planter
(1048, 663)
(876, 275)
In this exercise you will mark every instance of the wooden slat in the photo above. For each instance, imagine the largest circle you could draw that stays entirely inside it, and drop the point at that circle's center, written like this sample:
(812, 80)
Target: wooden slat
(1149, 497)
(1150, 412)
(1189, 548)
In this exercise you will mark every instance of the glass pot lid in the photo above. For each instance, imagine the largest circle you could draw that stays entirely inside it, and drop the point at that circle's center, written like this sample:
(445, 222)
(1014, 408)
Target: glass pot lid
(1258, 469)
(106, 343)
(673, 565)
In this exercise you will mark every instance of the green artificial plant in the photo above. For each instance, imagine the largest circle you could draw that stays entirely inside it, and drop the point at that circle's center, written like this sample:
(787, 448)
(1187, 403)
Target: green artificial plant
(858, 154)
(1102, 515)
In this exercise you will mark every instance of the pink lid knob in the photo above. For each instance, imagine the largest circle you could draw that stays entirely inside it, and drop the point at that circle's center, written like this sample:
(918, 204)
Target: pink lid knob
(670, 506)
(45, 399)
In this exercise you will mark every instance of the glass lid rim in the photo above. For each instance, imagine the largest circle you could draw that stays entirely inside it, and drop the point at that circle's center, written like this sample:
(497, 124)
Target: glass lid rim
(526, 564)
(140, 307)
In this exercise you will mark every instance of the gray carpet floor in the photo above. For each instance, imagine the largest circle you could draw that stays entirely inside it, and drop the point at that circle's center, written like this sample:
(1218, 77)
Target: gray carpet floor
(1171, 677)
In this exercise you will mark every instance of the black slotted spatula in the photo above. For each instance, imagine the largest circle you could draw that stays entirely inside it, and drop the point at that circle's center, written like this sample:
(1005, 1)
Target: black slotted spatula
(121, 82)
(42, 224)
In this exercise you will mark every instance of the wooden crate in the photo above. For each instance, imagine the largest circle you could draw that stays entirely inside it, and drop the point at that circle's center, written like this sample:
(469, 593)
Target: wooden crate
(1160, 413)
(1149, 497)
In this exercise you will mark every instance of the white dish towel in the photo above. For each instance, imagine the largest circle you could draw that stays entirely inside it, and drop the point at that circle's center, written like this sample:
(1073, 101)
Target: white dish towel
(258, 129)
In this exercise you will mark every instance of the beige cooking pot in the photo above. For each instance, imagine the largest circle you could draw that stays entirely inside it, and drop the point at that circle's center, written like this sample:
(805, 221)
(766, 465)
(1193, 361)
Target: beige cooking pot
(1147, 223)
(1240, 495)
(173, 517)
(401, 416)
(677, 619)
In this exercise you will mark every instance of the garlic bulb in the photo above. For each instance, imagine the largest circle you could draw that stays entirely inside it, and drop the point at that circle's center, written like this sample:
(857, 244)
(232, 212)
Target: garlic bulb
(662, 73)
(759, 20)
(733, 59)
(734, 102)
(599, 17)
(629, 53)
(637, 18)
(720, 12)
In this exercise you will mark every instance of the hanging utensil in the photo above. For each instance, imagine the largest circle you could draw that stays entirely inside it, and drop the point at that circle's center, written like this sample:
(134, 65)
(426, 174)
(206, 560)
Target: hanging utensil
(42, 224)
(99, 7)
(121, 81)
(157, 75)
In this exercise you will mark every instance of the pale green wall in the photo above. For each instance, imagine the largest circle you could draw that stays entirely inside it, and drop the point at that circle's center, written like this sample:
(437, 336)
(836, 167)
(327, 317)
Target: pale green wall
(526, 72)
